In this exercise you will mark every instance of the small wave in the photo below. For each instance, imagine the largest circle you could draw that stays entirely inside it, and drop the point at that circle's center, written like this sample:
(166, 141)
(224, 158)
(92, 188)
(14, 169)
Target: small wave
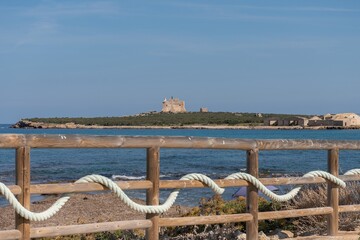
(124, 177)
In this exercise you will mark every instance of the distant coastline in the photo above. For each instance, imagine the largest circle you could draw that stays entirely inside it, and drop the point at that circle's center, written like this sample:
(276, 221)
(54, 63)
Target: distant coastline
(193, 120)
(42, 125)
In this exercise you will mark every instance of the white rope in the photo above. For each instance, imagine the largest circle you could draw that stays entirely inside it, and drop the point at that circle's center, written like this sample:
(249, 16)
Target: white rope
(41, 216)
(282, 198)
(206, 180)
(353, 172)
(120, 193)
(145, 208)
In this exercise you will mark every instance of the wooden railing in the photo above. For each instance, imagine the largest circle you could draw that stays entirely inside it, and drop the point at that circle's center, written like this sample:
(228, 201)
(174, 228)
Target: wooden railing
(23, 188)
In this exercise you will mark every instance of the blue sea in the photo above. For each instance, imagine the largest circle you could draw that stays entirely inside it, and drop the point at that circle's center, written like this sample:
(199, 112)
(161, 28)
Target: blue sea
(64, 165)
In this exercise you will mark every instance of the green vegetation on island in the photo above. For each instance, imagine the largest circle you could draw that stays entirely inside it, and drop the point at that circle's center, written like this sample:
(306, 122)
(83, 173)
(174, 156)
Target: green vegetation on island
(168, 119)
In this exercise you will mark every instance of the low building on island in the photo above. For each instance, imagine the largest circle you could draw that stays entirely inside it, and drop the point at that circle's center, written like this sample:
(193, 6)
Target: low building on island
(341, 120)
(290, 121)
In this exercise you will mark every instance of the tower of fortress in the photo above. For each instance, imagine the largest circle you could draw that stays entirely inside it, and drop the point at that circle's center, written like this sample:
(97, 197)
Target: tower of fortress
(173, 105)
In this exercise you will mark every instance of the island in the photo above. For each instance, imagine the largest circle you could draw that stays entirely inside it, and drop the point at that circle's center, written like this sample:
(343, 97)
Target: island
(189, 120)
(174, 115)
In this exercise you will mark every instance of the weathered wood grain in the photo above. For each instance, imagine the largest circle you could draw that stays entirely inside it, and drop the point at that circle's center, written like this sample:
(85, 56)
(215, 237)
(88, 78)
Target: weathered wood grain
(349, 208)
(88, 228)
(252, 207)
(10, 234)
(295, 213)
(23, 181)
(58, 188)
(91, 141)
(185, 221)
(351, 236)
(95, 141)
(333, 193)
(153, 194)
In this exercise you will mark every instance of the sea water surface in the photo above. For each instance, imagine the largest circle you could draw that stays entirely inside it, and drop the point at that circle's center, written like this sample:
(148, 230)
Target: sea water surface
(62, 165)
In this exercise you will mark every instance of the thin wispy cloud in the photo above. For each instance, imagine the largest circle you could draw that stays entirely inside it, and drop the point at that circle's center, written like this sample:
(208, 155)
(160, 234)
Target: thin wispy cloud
(219, 12)
(172, 46)
(44, 21)
(237, 7)
(305, 9)
(39, 29)
(73, 9)
(252, 13)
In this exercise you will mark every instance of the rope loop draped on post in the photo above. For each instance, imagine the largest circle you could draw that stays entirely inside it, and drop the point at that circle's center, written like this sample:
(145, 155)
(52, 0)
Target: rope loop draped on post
(41, 216)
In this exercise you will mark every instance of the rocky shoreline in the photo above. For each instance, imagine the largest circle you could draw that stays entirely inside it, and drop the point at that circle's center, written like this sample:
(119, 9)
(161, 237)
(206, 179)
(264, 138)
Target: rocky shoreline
(71, 125)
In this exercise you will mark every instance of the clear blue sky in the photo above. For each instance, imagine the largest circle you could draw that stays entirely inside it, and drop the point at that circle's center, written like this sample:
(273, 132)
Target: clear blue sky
(113, 58)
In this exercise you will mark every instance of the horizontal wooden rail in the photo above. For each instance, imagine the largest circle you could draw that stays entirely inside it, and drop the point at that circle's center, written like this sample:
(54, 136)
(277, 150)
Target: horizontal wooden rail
(184, 221)
(294, 213)
(15, 189)
(94, 141)
(88, 228)
(349, 208)
(10, 234)
(342, 236)
(164, 222)
(239, 183)
(89, 141)
(58, 188)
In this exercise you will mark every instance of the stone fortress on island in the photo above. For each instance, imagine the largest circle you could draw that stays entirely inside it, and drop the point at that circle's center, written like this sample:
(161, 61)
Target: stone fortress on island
(173, 105)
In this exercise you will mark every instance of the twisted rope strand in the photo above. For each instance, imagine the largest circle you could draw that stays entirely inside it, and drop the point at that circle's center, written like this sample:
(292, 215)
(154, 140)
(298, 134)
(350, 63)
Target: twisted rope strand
(355, 171)
(262, 188)
(25, 213)
(120, 193)
(204, 179)
(41, 216)
(282, 198)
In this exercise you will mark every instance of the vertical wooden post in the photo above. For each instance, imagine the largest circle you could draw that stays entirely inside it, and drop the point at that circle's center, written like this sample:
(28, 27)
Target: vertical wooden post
(333, 193)
(152, 194)
(23, 181)
(252, 161)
